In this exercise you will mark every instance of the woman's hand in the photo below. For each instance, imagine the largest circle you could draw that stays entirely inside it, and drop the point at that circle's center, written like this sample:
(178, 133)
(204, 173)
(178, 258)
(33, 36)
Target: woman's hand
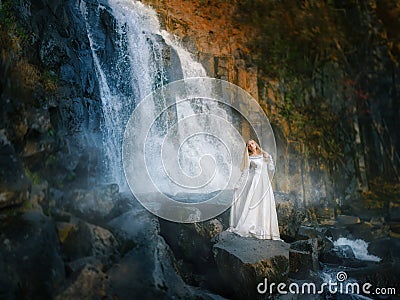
(266, 155)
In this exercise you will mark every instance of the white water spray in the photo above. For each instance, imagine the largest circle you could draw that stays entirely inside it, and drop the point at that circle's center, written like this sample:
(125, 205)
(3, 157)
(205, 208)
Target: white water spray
(141, 64)
(359, 247)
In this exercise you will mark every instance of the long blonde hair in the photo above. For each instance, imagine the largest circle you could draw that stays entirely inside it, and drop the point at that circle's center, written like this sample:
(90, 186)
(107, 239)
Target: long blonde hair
(246, 160)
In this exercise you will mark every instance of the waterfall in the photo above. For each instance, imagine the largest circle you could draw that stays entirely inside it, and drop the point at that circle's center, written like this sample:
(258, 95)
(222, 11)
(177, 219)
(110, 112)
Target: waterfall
(134, 70)
(131, 61)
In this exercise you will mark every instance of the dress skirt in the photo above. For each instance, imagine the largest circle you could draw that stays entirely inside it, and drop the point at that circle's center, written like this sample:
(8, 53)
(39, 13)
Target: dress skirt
(253, 211)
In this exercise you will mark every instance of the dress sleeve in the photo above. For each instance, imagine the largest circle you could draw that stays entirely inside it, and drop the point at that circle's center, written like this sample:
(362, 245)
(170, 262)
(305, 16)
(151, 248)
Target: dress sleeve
(243, 176)
(270, 163)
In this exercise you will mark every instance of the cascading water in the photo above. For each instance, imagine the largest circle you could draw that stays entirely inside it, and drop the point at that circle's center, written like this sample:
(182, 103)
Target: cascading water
(131, 62)
(126, 75)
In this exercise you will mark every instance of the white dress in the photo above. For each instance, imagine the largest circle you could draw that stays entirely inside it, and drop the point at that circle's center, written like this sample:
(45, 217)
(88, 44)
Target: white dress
(253, 212)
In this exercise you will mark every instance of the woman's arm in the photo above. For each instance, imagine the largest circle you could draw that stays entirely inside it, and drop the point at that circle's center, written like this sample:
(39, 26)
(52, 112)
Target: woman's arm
(266, 155)
(269, 161)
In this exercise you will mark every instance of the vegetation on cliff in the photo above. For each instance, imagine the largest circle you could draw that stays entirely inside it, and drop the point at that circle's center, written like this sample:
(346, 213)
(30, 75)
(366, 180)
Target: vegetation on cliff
(336, 64)
(28, 139)
(21, 70)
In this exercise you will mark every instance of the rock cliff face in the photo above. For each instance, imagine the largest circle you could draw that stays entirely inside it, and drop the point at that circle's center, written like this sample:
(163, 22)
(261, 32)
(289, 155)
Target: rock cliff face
(322, 137)
(51, 108)
(66, 129)
(214, 35)
(209, 31)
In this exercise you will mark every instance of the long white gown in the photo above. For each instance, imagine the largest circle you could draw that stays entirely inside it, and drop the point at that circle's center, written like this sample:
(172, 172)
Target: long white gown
(253, 212)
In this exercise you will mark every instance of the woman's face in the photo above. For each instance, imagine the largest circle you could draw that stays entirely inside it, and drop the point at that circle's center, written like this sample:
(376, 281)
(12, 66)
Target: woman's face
(251, 145)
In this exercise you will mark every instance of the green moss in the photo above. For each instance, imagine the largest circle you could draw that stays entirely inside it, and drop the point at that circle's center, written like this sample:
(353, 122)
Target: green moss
(19, 209)
(9, 21)
(50, 80)
(51, 132)
(70, 176)
(34, 177)
(315, 125)
(26, 206)
(15, 45)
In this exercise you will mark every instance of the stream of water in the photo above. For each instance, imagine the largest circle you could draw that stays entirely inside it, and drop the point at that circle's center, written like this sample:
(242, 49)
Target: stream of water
(143, 59)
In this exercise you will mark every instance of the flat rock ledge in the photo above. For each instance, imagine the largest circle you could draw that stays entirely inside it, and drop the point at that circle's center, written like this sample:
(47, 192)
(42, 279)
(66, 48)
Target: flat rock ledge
(245, 262)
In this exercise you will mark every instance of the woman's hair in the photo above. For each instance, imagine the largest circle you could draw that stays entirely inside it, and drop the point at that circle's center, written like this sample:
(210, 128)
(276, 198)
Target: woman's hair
(258, 148)
(247, 152)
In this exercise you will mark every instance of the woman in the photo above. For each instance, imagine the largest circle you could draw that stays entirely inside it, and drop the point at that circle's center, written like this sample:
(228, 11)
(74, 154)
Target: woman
(253, 211)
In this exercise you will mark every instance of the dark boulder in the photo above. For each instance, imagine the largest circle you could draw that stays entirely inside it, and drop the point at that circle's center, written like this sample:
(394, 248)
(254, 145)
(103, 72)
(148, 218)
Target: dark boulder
(30, 264)
(94, 203)
(303, 256)
(290, 215)
(14, 184)
(148, 267)
(80, 239)
(90, 283)
(244, 263)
